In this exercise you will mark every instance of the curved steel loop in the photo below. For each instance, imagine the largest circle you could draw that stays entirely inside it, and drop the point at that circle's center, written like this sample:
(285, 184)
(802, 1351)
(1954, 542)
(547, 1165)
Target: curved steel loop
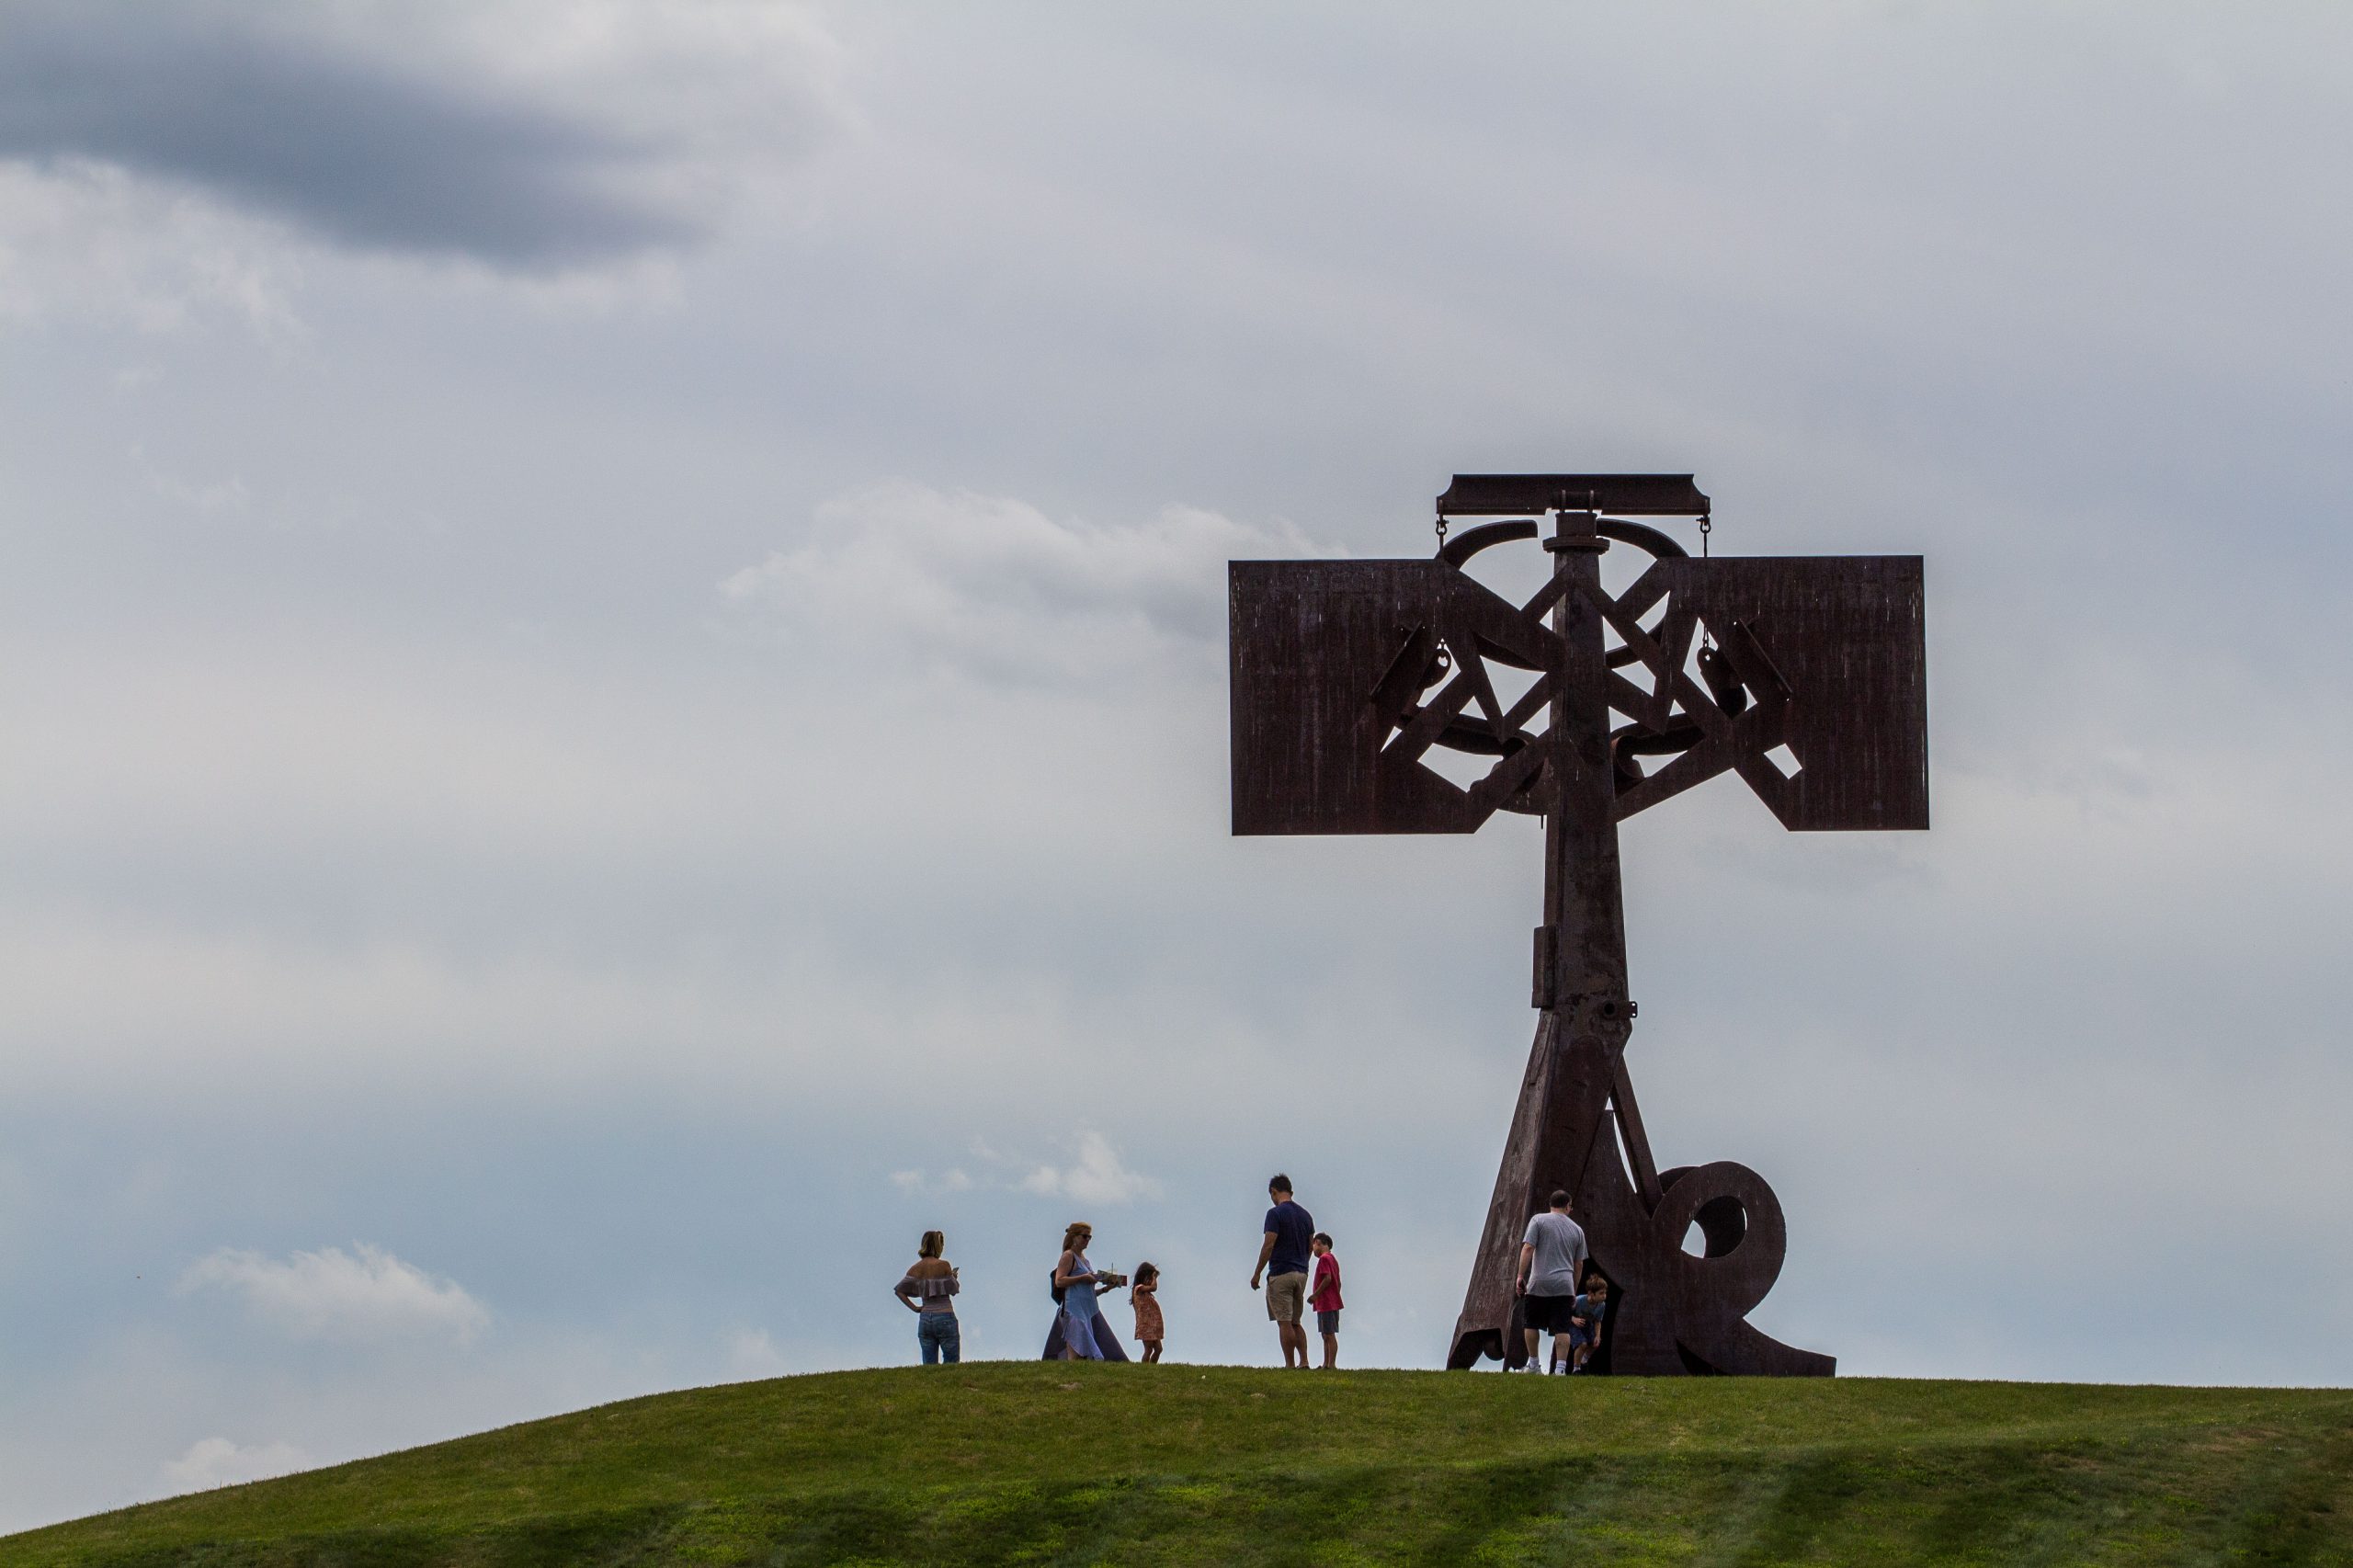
(1470, 541)
(1641, 536)
(1729, 1285)
(1454, 552)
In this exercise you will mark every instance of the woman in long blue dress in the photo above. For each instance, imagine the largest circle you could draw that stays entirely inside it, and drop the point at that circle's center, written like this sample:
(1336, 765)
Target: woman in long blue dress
(1079, 1326)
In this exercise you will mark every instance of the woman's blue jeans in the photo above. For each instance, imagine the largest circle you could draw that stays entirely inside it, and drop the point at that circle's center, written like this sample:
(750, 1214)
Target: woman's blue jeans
(941, 1338)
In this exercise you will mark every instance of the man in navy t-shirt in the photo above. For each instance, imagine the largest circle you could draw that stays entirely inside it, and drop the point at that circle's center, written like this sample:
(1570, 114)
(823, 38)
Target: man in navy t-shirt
(1283, 1258)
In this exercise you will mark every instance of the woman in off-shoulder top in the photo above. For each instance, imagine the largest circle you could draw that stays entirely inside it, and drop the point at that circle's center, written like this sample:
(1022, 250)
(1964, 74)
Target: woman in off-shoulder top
(929, 1291)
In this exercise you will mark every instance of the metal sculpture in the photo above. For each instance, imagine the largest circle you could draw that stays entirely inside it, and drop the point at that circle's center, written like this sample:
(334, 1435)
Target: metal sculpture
(1803, 676)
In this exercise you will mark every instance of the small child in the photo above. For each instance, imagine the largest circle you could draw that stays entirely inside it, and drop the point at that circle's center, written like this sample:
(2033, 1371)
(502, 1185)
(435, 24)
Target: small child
(1584, 1322)
(1145, 1296)
(1326, 1299)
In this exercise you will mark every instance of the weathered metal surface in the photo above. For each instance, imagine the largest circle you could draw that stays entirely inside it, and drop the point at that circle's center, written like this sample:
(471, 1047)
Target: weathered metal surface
(1455, 552)
(1671, 1312)
(1804, 676)
(1641, 495)
(1834, 647)
(1343, 673)
(1823, 655)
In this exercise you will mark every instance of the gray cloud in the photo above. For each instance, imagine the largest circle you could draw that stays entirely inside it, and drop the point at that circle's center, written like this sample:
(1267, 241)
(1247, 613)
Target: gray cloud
(372, 138)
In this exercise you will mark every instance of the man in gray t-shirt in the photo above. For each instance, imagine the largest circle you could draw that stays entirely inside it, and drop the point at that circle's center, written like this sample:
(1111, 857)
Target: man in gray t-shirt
(1551, 1265)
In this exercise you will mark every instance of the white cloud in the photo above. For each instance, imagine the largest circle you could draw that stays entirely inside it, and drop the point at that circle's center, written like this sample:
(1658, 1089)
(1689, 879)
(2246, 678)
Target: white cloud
(217, 1461)
(1097, 1177)
(362, 1296)
(913, 1182)
(752, 1354)
(85, 241)
(993, 586)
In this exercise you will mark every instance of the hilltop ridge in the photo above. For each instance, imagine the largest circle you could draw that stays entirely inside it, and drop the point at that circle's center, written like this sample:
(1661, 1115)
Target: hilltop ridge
(1044, 1463)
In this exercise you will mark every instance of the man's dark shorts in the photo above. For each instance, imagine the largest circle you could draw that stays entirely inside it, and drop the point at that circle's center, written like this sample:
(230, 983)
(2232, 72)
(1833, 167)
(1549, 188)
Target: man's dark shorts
(1548, 1314)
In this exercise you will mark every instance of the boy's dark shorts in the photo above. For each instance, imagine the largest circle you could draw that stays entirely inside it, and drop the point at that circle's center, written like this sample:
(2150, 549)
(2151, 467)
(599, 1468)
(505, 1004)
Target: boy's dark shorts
(1327, 1323)
(1546, 1314)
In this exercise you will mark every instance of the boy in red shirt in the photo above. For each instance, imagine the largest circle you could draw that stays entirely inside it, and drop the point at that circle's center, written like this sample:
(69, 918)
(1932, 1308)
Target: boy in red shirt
(1326, 1299)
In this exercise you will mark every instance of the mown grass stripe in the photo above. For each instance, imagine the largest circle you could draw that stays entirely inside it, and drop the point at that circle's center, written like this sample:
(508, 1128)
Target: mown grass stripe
(1022, 1464)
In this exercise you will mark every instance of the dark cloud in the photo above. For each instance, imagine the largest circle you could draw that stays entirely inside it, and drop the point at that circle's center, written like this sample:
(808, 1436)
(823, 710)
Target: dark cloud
(361, 148)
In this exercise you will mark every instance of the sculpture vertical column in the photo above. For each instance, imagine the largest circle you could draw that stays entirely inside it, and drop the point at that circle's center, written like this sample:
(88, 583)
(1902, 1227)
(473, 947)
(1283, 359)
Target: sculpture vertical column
(1561, 1135)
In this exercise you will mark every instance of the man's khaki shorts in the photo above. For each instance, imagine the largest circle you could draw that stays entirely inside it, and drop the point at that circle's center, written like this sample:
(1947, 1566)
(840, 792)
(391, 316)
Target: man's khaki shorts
(1286, 1296)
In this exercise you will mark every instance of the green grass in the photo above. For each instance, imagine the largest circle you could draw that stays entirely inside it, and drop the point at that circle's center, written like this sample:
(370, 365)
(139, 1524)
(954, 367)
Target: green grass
(1033, 1463)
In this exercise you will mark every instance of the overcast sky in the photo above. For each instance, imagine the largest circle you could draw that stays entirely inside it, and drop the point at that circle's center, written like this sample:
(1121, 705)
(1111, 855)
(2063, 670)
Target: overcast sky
(612, 678)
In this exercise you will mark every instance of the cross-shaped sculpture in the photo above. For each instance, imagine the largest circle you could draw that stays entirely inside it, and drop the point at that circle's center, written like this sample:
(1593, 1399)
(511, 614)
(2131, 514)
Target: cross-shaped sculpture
(1804, 676)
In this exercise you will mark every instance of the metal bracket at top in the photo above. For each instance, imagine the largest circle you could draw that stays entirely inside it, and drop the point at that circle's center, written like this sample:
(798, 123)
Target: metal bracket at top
(1636, 495)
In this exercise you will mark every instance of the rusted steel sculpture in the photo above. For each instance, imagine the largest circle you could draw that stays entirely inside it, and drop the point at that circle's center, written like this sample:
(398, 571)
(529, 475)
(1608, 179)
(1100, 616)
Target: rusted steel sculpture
(1804, 676)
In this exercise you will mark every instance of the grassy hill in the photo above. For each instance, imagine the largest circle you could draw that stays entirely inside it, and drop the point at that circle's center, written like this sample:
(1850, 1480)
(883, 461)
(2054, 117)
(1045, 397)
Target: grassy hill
(1032, 1462)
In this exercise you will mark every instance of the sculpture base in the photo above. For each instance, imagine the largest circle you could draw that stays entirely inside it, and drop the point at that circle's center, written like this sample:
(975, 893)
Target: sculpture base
(1671, 1314)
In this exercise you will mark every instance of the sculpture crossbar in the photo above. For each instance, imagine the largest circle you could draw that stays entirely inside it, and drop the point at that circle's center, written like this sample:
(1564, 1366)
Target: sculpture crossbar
(1803, 676)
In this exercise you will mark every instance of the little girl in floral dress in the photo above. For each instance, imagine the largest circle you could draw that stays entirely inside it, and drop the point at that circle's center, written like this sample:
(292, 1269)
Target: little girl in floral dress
(1145, 1294)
